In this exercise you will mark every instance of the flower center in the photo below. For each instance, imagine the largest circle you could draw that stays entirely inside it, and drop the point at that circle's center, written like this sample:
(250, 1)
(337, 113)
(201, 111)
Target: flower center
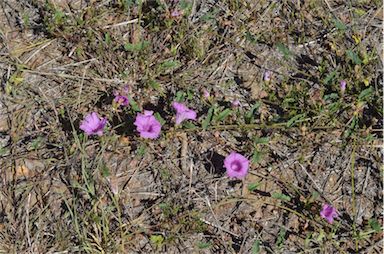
(149, 128)
(328, 212)
(236, 166)
(97, 127)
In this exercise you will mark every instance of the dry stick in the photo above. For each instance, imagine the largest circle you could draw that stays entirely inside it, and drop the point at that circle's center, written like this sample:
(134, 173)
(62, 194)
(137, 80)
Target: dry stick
(147, 193)
(318, 189)
(190, 182)
(81, 87)
(27, 220)
(316, 223)
(364, 186)
(19, 51)
(184, 152)
(219, 227)
(183, 159)
(73, 64)
(121, 23)
(61, 75)
(37, 51)
(374, 246)
(210, 208)
(353, 193)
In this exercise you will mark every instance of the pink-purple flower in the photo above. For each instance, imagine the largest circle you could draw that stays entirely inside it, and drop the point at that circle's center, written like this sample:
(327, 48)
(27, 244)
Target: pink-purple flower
(147, 125)
(329, 213)
(235, 103)
(183, 112)
(206, 93)
(175, 13)
(343, 85)
(93, 125)
(121, 97)
(267, 76)
(121, 100)
(236, 165)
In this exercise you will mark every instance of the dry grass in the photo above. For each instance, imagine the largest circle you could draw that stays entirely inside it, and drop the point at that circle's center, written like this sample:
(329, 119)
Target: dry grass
(63, 192)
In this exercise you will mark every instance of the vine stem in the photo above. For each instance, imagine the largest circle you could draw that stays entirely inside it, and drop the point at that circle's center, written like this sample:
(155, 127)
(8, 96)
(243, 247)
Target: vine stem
(353, 155)
(249, 126)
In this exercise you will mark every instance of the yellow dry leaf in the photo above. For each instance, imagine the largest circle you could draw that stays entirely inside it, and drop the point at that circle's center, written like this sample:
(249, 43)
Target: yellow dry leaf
(357, 38)
(22, 171)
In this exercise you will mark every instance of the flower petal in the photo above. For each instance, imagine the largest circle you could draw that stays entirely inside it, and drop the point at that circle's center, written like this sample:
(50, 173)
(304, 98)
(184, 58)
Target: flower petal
(236, 165)
(179, 107)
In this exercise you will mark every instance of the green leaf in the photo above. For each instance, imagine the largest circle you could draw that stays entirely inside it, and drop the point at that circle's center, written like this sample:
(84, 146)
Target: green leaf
(223, 114)
(189, 125)
(365, 94)
(8, 88)
(156, 85)
(334, 107)
(191, 94)
(250, 113)
(321, 236)
(207, 119)
(210, 15)
(256, 247)
(141, 150)
(253, 186)
(352, 126)
(3, 150)
(294, 119)
(58, 17)
(281, 237)
(332, 96)
(157, 240)
(159, 118)
(360, 12)
(262, 140)
(375, 225)
(134, 105)
(185, 5)
(250, 37)
(307, 240)
(169, 64)
(354, 57)
(105, 170)
(330, 77)
(136, 47)
(281, 196)
(180, 95)
(339, 25)
(256, 157)
(314, 196)
(284, 50)
(107, 39)
(36, 143)
(204, 245)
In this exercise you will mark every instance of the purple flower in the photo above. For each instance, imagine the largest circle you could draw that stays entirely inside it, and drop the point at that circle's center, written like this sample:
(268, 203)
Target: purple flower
(329, 213)
(343, 85)
(183, 112)
(147, 125)
(235, 103)
(267, 75)
(93, 125)
(121, 100)
(206, 93)
(121, 97)
(236, 165)
(175, 13)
